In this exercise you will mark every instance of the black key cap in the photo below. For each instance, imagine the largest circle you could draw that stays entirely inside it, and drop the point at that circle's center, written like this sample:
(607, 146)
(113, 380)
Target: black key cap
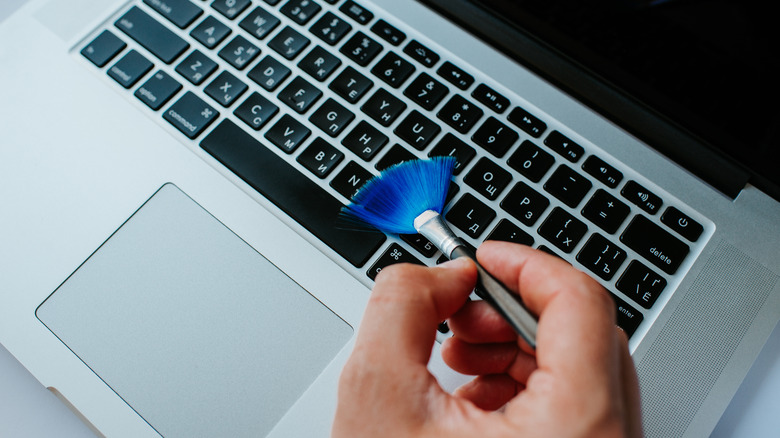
(655, 244)
(269, 73)
(332, 117)
(527, 122)
(152, 35)
(394, 254)
(682, 224)
(460, 114)
(356, 12)
(495, 137)
(259, 23)
(417, 130)
(272, 2)
(564, 147)
(470, 215)
(388, 32)
(210, 32)
(361, 49)
(157, 90)
(628, 318)
(300, 95)
(256, 110)
(230, 8)
(103, 48)
(563, 230)
(421, 54)
(568, 186)
(601, 256)
(300, 11)
(451, 146)
(320, 157)
(455, 75)
(190, 115)
(350, 179)
(641, 284)
(606, 211)
(531, 161)
(130, 68)
(426, 91)
(288, 43)
(319, 64)
(351, 85)
(396, 155)
(196, 67)
(287, 134)
(640, 196)
(525, 204)
(365, 141)
(239, 52)
(290, 190)
(393, 69)
(179, 12)
(490, 98)
(383, 107)
(487, 178)
(597, 168)
(330, 28)
(226, 89)
(506, 231)
(420, 244)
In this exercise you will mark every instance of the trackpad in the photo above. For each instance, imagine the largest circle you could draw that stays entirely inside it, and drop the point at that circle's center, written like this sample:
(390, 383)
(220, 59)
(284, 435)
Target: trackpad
(193, 328)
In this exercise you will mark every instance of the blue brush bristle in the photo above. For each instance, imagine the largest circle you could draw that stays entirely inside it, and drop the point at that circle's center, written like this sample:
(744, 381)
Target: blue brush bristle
(391, 201)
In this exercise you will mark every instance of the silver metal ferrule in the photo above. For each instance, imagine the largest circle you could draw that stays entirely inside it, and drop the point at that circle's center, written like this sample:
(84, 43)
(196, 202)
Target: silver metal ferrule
(432, 226)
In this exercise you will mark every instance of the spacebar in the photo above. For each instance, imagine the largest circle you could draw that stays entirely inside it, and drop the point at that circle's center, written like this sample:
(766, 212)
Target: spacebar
(294, 193)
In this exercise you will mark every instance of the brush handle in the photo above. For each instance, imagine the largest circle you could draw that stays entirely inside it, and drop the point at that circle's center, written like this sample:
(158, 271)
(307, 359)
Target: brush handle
(504, 301)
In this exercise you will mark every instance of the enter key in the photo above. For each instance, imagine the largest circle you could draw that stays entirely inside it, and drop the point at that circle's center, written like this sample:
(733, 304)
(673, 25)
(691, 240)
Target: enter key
(656, 245)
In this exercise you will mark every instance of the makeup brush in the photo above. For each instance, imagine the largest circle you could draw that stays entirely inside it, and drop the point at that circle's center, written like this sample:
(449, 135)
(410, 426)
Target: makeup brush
(408, 198)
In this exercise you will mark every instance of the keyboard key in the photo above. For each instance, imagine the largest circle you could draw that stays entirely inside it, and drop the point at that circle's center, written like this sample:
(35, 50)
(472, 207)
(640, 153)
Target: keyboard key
(273, 2)
(495, 137)
(103, 48)
(256, 110)
(421, 54)
(601, 256)
(597, 168)
(226, 89)
(330, 28)
(319, 64)
(525, 204)
(490, 98)
(568, 186)
(417, 130)
(356, 12)
(130, 68)
(351, 85)
(564, 147)
(158, 90)
(259, 23)
(426, 91)
(470, 215)
(506, 231)
(460, 114)
(641, 284)
(393, 69)
(288, 43)
(420, 244)
(563, 230)
(287, 134)
(365, 141)
(488, 179)
(239, 52)
(606, 211)
(350, 179)
(628, 318)
(383, 107)
(361, 49)
(210, 32)
(290, 190)
(455, 75)
(394, 254)
(527, 122)
(531, 161)
(396, 155)
(643, 198)
(230, 8)
(190, 115)
(655, 244)
(682, 224)
(320, 157)
(179, 12)
(300, 95)
(332, 117)
(300, 11)
(388, 32)
(451, 146)
(196, 67)
(269, 73)
(152, 35)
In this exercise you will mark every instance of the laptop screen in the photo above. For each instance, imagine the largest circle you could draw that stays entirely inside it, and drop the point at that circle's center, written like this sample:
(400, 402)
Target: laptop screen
(709, 66)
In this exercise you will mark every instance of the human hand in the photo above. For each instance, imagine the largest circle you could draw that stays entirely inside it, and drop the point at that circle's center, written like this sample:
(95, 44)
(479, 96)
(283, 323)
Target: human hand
(580, 381)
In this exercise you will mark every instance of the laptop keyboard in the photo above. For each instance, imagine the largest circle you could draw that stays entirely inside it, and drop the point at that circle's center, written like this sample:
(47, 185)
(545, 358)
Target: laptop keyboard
(306, 100)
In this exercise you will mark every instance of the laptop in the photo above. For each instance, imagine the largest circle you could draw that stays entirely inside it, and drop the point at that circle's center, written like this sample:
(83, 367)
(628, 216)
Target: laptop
(171, 172)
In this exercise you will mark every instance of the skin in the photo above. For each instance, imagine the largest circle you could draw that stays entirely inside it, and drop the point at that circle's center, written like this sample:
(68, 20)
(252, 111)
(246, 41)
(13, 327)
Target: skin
(580, 381)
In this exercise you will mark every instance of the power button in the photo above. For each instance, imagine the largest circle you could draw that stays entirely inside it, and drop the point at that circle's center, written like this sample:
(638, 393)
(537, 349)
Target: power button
(682, 224)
